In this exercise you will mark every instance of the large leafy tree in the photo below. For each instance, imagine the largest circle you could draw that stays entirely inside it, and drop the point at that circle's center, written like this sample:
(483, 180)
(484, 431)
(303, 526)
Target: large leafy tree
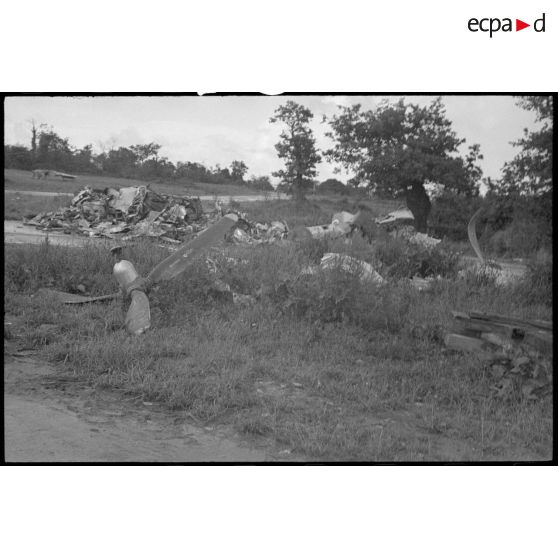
(396, 149)
(297, 148)
(530, 172)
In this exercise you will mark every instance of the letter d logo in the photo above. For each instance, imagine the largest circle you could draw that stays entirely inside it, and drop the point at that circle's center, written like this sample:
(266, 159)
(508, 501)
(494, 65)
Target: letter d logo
(536, 24)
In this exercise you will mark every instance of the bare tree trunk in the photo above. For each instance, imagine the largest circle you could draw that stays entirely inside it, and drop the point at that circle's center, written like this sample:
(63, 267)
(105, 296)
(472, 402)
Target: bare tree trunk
(419, 205)
(33, 138)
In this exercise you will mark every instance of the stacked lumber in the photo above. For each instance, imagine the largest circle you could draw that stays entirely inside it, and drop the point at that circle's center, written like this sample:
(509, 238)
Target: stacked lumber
(518, 352)
(488, 333)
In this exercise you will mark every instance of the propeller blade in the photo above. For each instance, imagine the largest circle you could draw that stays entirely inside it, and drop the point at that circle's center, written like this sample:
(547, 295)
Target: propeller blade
(179, 261)
(472, 233)
(70, 298)
(73, 299)
(138, 317)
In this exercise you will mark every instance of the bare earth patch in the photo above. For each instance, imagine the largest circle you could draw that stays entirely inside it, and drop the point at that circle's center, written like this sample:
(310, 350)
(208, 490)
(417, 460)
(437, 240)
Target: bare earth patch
(55, 417)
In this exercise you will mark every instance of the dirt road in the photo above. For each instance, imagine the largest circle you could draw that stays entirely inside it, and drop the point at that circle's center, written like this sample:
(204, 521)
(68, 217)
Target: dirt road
(50, 416)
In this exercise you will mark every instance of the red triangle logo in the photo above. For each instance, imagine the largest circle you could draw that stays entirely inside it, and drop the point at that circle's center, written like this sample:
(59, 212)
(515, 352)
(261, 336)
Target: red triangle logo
(519, 25)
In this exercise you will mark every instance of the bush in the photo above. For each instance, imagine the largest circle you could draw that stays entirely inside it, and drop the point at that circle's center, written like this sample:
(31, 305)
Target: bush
(451, 214)
(29, 268)
(334, 295)
(536, 286)
(400, 259)
(332, 186)
(520, 238)
(479, 277)
(518, 226)
(508, 226)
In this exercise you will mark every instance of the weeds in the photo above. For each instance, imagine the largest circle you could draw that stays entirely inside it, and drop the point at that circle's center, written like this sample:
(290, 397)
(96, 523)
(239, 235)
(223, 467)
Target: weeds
(18, 206)
(536, 286)
(400, 259)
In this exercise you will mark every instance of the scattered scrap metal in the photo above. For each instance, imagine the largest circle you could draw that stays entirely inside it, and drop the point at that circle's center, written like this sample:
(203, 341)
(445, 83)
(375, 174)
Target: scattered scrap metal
(131, 212)
(43, 173)
(517, 352)
(399, 215)
(246, 232)
(397, 222)
(348, 264)
(409, 234)
(137, 211)
(341, 225)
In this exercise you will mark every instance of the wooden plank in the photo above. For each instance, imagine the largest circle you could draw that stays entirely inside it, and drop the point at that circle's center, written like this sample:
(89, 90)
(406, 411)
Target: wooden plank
(470, 330)
(482, 348)
(462, 329)
(496, 339)
(481, 326)
(539, 324)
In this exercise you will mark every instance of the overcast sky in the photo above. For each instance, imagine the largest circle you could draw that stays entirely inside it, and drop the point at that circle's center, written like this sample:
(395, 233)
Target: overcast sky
(213, 130)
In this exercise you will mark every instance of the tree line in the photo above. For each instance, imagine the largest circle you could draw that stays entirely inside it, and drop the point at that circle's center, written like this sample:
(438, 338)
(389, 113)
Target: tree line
(142, 161)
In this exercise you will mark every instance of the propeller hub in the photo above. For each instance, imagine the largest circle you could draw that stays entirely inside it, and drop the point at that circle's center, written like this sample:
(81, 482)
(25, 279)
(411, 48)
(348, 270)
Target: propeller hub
(128, 278)
(138, 284)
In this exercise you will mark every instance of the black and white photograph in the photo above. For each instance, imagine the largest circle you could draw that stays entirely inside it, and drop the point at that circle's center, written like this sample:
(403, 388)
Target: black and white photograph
(280, 279)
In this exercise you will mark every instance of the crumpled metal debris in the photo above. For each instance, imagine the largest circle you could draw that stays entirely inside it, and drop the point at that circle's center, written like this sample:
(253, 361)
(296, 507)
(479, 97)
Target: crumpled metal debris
(240, 236)
(402, 214)
(137, 210)
(349, 264)
(423, 283)
(341, 225)
(246, 232)
(121, 200)
(521, 373)
(409, 234)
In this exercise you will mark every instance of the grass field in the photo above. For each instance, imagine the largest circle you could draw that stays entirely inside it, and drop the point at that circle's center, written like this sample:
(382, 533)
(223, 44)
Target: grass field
(329, 368)
(21, 180)
(18, 206)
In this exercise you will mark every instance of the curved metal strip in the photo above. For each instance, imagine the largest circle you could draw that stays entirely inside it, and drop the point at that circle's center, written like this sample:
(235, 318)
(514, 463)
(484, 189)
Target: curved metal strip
(472, 233)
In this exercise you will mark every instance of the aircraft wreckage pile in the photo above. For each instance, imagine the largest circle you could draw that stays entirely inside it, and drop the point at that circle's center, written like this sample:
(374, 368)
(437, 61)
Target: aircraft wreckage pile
(139, 211)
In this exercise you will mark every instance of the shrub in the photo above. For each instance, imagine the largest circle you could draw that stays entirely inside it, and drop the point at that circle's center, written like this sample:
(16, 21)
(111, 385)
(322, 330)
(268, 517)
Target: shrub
(536, 286)
(520, 238)
(401, 259)
(478, 276)
(508, 226)
(450, 215)
(28, 268)
(332, 186)
(335, 295)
